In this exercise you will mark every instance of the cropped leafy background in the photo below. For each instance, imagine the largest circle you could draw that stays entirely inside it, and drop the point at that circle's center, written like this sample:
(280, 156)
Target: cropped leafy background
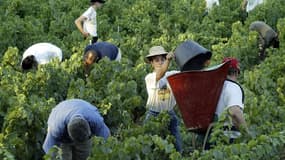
(118, 89)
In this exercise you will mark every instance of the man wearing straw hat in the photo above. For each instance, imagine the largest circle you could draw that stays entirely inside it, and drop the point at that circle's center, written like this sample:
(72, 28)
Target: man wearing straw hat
(160, 97)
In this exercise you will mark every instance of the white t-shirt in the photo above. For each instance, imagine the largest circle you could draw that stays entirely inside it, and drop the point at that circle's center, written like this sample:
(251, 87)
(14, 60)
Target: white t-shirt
(210, 3)
(251, 4)
(160, 96)
(43, 52)
(90, 25)
(231, 95)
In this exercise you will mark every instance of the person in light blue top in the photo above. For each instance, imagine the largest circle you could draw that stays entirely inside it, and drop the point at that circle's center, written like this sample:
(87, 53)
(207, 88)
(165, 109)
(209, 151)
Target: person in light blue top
(71, 124)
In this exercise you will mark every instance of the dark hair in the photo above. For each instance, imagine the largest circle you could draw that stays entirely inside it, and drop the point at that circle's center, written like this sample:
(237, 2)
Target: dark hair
(94, 1)
(78, 128)
(29, 62)
(94, 53)
(233, 71)
(275, 42)
(198, 62)
(151, 58)
(87, 67)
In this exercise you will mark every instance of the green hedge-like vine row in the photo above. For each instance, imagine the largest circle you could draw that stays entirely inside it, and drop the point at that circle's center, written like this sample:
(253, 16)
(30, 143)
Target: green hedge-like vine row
(118, 89)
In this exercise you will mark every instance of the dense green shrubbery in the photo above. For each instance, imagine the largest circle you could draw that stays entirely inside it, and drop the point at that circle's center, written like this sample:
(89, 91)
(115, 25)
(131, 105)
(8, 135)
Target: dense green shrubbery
(118, 89)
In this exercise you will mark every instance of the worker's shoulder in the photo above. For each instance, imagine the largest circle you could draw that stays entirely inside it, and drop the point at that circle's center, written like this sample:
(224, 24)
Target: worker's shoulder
(150, 76)
(258, 24)
(104, 44)
(43, 44)
(232, 85)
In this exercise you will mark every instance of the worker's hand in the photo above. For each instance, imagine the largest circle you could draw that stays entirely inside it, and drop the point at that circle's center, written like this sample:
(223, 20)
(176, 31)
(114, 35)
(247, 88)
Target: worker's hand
(170, 55)
(85, 34)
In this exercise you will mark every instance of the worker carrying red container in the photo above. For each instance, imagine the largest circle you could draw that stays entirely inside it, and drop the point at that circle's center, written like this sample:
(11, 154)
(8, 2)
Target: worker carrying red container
(202, 94)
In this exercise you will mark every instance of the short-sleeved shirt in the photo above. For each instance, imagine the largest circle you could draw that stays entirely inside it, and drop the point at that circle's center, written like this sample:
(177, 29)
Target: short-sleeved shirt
(160, 96)
(210, 3)
(90, 25)
(60, 116)
(104, 49)
(43, 52)
(232, 95)
(251, 4)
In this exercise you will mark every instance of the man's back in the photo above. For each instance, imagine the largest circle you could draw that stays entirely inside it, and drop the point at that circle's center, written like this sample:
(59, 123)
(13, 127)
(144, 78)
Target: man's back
(62, 113)
(264, 30)
(231, 95)
(60, 117)
(43, 52)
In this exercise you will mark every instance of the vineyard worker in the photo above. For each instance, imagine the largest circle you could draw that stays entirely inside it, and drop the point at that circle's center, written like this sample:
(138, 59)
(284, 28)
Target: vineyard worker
(160, 97)
(267, 37)
(87, 22)
(96, 51)
(209, 6)
(40, 53)
(231, 101)
(231, 98)
(71, 124)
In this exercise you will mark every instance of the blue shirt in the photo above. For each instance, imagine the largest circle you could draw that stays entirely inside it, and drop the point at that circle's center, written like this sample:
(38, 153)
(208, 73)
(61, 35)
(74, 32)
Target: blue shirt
(103, 49)
(60, 116)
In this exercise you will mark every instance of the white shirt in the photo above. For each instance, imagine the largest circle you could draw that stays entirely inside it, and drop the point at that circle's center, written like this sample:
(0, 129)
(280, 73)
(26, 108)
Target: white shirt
(210, 3)
(231, 96)
(43, 52)
(251, 4)
(160, 96)
(90, 25)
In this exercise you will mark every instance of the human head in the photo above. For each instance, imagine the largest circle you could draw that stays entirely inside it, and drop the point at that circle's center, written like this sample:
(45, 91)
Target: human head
(234, 69)
(156, 56)
(192, 56)
(78, 128)
(97, 3)
(90, 57)
(29, 62)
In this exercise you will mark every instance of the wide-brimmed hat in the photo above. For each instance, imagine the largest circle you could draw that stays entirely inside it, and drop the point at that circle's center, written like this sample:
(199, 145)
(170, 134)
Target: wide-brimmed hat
(78, 128)
(155, 51)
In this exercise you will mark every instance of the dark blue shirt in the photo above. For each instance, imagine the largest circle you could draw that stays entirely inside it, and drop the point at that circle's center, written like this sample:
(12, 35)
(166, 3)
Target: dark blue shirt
(60, 116)
(103, 49)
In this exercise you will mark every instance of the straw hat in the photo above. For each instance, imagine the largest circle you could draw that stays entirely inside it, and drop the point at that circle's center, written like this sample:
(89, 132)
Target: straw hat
(155, 51)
